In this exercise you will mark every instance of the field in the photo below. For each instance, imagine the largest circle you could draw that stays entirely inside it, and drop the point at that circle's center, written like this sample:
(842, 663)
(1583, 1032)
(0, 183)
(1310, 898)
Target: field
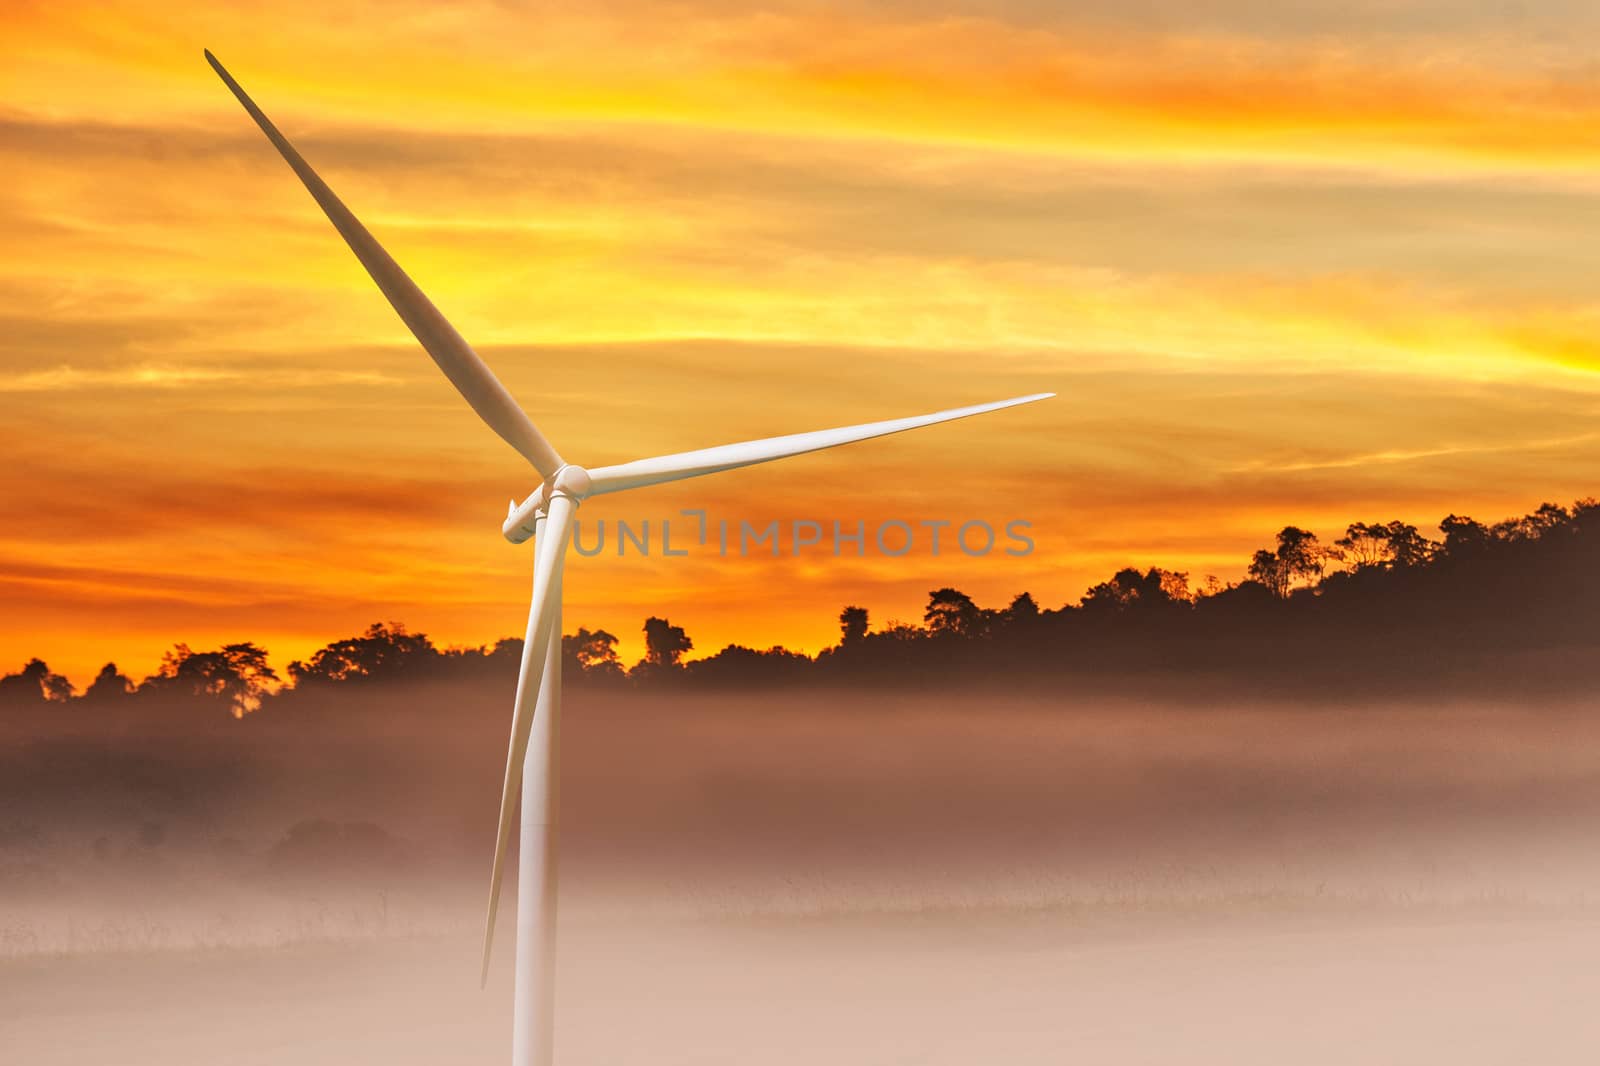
(854, 878)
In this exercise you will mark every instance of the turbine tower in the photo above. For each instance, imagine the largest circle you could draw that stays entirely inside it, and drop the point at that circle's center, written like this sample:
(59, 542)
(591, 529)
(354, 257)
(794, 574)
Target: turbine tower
(532, 764)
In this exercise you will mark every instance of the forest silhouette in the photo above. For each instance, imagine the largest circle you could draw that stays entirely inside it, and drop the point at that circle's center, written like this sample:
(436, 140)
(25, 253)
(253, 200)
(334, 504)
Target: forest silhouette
(1515, 603)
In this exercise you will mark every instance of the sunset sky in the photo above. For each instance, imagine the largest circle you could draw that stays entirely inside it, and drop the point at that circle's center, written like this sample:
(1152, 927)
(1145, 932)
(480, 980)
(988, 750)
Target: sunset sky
(1284, 263)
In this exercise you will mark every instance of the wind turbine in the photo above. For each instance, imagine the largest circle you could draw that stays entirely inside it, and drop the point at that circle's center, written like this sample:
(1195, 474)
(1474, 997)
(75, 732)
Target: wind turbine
(531, 761)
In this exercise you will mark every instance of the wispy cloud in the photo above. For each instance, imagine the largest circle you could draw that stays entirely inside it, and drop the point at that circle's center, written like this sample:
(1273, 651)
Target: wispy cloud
(1402, 456)
(157, 376)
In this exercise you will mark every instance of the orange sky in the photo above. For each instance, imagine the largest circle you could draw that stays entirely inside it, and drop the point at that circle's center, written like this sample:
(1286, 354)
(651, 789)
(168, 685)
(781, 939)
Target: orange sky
(1283, 263)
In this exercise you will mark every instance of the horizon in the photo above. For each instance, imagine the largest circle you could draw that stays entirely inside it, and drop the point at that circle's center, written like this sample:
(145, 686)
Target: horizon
(1384, 558)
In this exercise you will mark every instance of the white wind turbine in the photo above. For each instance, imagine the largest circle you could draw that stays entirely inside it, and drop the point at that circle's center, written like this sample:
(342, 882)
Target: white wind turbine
(531, 761)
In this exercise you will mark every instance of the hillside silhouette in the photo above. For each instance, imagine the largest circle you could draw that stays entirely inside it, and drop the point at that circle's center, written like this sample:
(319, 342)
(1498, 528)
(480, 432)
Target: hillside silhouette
(1513, 604)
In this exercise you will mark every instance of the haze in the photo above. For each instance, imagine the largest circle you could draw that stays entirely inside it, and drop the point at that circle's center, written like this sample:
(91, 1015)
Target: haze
(894, 876)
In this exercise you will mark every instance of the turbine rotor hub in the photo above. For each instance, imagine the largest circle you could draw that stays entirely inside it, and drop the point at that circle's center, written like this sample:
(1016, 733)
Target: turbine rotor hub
(571, 480)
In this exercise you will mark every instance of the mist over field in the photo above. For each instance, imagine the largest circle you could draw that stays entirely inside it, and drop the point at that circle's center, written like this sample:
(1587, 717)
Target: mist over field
(851, 874)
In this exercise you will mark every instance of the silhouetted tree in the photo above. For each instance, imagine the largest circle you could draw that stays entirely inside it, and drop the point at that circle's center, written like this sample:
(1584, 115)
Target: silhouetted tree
(952, 613)
(386, 651)
(237, 674)
(1119, 592)
(591, 654)
(852, 625)
(1381, 545)
(108, 684)
(1022, 611)
(1364, 545)
(665, 643)
(1129, 588)
(1462, 536)
(34, 684)
(1408, 547)
(1298, 557)
(1175, 585)
(1267, 570)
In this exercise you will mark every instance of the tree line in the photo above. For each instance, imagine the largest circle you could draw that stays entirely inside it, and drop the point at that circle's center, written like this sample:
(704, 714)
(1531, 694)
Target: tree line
(1382, 601)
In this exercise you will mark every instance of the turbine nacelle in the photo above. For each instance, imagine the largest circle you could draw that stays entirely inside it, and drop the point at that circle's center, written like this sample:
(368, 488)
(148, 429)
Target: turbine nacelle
(522, 519)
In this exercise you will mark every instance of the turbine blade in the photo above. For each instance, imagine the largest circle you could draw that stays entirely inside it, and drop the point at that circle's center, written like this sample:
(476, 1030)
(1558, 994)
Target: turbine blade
(550, 552)
(643, 472)
(466, 371)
